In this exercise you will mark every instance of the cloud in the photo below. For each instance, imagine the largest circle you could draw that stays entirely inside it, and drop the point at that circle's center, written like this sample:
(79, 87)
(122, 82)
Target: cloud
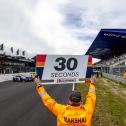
(47, 22)
(15, 27)
(97, 14)
(58, 26)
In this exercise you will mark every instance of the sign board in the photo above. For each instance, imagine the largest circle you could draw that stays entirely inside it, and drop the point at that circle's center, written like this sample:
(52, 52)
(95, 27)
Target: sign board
(63, 69)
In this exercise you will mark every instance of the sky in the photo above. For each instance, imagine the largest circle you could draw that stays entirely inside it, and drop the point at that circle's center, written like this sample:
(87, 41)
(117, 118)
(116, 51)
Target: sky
(57, 26)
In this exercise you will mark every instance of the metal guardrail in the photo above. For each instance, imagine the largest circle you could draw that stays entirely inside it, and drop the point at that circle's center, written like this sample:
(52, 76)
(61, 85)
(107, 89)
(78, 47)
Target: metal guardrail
(7, 77)
(116, 78)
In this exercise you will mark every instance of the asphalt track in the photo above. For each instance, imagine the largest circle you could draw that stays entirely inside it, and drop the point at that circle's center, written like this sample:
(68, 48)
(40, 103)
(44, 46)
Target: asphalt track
(20, 104)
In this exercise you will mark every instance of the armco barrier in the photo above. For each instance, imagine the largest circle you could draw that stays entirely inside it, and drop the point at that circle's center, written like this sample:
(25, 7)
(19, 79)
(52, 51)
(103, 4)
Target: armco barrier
(7, 77)
(116, 78)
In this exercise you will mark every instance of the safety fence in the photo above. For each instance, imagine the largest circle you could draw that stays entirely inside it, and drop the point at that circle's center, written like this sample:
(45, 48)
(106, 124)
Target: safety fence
(8, 77)
(116, 78)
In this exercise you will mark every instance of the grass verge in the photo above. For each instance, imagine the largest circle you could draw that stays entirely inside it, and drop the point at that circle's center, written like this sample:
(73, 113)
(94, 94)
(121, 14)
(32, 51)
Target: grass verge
(110, 108)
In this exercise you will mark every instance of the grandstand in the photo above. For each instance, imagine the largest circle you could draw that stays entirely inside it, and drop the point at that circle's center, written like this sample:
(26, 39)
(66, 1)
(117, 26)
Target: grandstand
(12, 61)
(110, 47)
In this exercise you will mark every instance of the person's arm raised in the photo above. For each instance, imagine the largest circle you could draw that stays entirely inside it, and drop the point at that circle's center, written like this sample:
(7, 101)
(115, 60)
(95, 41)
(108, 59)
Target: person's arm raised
(91, 96)
(49, 102)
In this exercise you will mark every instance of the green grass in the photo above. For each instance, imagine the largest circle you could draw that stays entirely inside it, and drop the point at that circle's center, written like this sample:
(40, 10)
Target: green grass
(110, 108)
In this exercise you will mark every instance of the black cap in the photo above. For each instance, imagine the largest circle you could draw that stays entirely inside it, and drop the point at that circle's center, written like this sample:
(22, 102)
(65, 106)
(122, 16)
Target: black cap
(75, 97)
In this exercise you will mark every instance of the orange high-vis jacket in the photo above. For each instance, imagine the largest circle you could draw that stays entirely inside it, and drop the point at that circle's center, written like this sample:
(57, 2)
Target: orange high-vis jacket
(124, 74)
(68, 115)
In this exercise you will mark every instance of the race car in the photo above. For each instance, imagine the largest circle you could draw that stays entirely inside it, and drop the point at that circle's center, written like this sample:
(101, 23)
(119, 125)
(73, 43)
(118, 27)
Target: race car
(18, 78)
(28, 78)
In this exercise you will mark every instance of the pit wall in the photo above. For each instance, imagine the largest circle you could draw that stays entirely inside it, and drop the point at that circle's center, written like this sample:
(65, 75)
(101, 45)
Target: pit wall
(116, 78)
(8, 77)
